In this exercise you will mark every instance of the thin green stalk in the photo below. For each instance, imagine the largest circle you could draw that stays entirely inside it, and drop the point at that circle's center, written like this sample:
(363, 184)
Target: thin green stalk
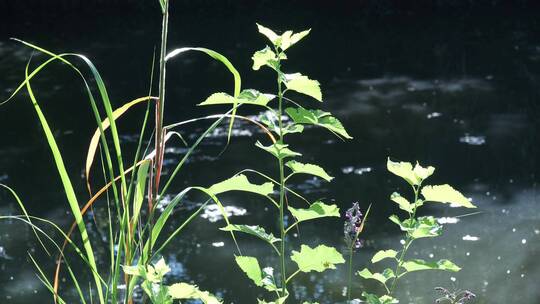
(281, 193)
(351, 250)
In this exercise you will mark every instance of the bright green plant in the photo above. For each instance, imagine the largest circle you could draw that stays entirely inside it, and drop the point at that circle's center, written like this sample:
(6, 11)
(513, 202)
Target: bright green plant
(133, 230)
(289, 117)
(415, 227)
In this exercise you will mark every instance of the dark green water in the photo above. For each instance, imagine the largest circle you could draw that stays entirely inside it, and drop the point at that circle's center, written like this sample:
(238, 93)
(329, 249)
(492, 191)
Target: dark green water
(454, 87)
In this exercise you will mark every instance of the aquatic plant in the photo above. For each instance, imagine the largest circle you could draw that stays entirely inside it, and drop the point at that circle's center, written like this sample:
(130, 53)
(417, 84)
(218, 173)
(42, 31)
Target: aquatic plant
(133, 231)
(414, 227)
(288, 118)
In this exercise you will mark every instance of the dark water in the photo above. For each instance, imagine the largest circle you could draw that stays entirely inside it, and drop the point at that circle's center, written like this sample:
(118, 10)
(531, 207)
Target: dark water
(456, 87)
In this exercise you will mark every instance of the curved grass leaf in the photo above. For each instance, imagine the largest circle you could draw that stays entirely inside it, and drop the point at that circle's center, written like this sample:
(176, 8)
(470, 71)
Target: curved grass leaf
(217, 56)
(384, 254)
(317, 259)
(241, 183)
(316, 210)
(318, 118)
(418, 264)
(302, 84)
(315, 170)
(446, 194)
(251, 267)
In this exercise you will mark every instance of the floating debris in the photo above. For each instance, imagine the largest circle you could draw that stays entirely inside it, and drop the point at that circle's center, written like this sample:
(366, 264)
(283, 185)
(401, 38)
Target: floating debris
(218, 244)
(434, 115)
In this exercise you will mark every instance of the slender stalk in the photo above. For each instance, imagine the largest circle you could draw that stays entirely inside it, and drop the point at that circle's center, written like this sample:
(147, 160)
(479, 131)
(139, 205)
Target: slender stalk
(281, 194)
(408, 242)
(351, 251)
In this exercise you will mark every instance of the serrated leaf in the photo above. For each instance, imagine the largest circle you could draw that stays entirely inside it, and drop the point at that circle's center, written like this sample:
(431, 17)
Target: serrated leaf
(445, 194)
(278, 301)
(302, 84)
(374, 299)
(425, 226)
(184, 291)
(253, 230)
(383, 254)
(422, 173)
(418, 264)
(403, 170)
(266, 57)
(298, 167)
(250, 266)
(318, 118)
(317, 259)
(249, 96)
(241, 183)
(405, 226)
(316, 210)
(288, 39)
(402, 202)
(273, 37)
(280, 151)
(386, 275)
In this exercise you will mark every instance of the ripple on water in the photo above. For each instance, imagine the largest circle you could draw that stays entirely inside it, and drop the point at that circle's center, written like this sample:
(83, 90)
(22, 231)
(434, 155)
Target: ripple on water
(472, 140)
(213, 214)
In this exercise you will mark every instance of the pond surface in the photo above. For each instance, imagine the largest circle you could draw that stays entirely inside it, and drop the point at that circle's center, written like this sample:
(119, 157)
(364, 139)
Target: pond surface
(453, 87)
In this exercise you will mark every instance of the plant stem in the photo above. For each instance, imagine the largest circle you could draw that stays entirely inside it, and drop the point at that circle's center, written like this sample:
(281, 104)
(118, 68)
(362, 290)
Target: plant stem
(351, 250)
(408, 242)
(281, 194)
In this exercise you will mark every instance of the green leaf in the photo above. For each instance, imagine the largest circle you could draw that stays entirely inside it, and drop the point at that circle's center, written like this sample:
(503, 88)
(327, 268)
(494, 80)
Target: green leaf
(318, 118)
(302, 84)
(316, 259)
(386, 275)
(270, 120)
(251, 267)
(373, 299)
(253, 230)
(280, 151)
(241, 183)
(267, 57)
(445, 194)
(273, 37)
(183, 291)
(417, 264)
(288, 39)
(269, 280)
(425, 226)
(298, 167)
(278, 301)
(402, 202)
(405, 170)
(384, 254)
(316, 210)
(140, 189)
(248, 96)
(405, 225)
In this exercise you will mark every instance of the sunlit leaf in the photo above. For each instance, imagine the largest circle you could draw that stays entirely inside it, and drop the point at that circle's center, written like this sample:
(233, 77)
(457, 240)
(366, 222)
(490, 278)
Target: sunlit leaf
(253, 230)
(298, 167)
(317, 259)
(425, 226)
(241, 183)
(249, 96)
(184, 291)
(273, 37)
(270, 120)
(374, 299)
(386, 275)
(316, 210)
(280, 151)
(269, 281)
(384, 254)
(422, 173)
(251, 267)
(318, 118)
(302, 84)
(267, 57)
(416, 265)
(288, 39)
(446, 194)
(403, 170)
(402, 202)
